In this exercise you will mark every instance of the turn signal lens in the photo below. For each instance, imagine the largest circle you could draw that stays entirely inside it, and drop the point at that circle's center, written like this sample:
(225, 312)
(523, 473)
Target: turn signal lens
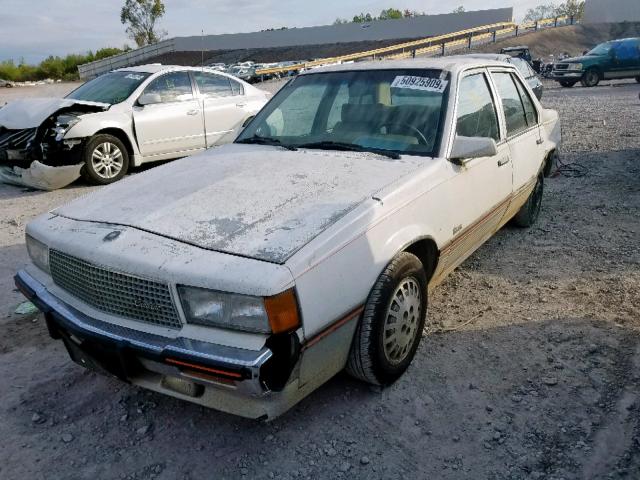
(282, 310)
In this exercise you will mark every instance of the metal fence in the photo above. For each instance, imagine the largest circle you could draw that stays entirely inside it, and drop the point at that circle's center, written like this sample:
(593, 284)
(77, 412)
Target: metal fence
(134, 57)
(433, 46)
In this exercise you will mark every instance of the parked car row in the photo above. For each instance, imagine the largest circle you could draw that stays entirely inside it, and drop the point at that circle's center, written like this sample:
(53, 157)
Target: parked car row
(247, 70)
(244, 277)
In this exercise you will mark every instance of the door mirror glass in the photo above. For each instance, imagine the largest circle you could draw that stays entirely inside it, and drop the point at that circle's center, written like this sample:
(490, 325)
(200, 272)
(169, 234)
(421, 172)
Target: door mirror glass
(468, 148)
(149, 99)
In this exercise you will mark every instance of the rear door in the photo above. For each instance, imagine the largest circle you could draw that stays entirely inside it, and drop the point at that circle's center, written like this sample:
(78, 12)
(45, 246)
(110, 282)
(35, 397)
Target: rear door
(627, 55)
(522, 134)
(175, 125)
(224, 106)
(481, 189)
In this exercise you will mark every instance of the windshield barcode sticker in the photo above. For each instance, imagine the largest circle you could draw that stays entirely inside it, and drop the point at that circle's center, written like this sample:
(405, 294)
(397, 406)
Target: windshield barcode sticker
(132, 76)
(428, 84)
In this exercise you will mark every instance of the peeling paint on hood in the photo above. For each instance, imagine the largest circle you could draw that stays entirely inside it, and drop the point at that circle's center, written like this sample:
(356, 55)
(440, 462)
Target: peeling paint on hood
(31, 112)
(254, 201)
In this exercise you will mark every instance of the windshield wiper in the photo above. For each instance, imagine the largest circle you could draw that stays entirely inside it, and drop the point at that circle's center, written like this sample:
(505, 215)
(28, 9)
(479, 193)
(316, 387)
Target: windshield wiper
(256, 140)
(350, 147)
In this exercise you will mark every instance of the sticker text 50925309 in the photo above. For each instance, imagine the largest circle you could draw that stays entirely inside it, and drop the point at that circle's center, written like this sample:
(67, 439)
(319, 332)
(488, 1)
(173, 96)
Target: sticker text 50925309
(428, 84)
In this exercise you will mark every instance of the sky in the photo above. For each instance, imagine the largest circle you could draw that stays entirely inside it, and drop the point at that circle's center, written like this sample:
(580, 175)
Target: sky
(35, 29)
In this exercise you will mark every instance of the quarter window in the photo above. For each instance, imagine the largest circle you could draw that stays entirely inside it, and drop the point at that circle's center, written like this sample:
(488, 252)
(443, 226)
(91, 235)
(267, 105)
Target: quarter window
(236, 87)
(476, 111)
(530, 111)
(211, 85)
(512, 103)
(172, 87)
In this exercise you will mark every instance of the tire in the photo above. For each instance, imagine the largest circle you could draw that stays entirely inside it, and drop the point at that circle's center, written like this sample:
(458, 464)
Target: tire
(114, 163)
(401, 287)
(638, 79)
(530, 211)
(567, 84)
(551, 164)
(591, 78)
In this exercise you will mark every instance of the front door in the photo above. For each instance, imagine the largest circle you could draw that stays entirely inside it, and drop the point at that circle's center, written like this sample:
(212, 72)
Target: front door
(175, 125)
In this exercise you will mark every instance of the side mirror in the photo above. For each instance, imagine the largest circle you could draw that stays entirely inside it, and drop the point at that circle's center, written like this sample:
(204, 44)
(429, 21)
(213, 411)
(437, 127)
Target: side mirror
(149, 99)
(468, 148)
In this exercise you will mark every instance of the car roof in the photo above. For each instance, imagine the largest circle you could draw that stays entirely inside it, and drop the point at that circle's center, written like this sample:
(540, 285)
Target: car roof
(453, 64)
(500, 57)
(158, 67)
(521, 47)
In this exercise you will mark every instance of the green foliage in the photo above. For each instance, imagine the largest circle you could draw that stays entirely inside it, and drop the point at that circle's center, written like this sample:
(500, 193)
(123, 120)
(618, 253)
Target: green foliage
(140, 17)
(460, 9)
(390, 14)
(54, 67)
(570, 8)
(386, 14)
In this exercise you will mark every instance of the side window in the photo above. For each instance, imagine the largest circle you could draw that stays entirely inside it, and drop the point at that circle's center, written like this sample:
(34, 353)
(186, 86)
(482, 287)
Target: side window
(522, 66)
(512, 105)
(236, 87)
(211, 85)
(476, 111)
(529, 109)
(172, 87)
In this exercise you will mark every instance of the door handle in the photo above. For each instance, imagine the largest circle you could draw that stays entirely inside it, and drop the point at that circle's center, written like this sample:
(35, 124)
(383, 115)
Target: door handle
(503, 161)
(539, 141)
(193, 112)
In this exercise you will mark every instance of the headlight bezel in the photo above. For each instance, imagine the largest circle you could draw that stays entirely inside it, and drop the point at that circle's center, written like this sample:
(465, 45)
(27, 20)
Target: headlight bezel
(38, 253)
(64, 122)
(271, 315)
(575, 67)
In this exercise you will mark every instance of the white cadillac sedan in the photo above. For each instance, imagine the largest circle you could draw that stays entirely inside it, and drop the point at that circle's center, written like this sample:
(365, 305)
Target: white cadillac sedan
(128, 117)
(245, 277)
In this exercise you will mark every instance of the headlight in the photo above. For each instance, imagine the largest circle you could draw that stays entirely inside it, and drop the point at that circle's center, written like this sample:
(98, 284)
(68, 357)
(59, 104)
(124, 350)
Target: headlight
(64, 124)
(38, 252)
(575, 66)
(210, 308)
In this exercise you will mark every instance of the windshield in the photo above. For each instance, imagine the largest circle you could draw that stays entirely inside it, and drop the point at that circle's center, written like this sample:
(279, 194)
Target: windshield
(111, 88)
(602, 49)
(396, 111)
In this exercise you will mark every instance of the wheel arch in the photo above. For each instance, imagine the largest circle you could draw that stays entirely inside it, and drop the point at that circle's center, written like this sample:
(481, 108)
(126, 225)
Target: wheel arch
(427, 251)
(120, 135)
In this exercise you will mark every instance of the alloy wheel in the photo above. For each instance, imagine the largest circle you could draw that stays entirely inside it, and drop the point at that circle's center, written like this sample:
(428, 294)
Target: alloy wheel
(107, 160)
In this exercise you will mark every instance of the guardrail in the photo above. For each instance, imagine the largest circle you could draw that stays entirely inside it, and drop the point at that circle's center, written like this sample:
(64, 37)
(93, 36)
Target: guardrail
(439, 45)
(98, 67)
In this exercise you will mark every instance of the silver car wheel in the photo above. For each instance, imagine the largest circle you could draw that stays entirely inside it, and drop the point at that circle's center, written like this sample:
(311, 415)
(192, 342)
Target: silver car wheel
(107, 160)
(401, 320)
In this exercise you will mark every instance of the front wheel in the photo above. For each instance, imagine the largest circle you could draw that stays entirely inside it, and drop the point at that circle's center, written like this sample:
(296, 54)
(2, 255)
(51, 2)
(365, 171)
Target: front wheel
(591, 78)
(390, 329)
(106, 159)
(530, 211)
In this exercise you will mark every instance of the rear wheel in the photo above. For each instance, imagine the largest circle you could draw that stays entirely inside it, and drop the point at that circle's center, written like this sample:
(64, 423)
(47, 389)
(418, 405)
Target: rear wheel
(530, 211)
(567, 83)
(591, 78)
(390, 329)
(106, 159)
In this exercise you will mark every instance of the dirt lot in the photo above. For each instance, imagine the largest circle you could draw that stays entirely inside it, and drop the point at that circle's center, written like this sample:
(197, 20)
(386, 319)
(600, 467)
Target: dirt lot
(531, 369)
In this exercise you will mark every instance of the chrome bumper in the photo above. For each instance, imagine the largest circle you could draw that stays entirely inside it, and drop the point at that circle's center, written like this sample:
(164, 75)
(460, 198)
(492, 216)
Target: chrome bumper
(242, 366)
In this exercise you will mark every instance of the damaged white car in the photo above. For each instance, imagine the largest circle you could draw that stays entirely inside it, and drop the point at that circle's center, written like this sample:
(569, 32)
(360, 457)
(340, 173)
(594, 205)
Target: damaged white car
(245, 277)
(128, 117)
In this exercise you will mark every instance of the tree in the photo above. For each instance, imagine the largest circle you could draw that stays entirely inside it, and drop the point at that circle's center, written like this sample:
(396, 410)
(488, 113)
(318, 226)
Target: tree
(460, 9)
(390, 14)
(141, 16)
(571, 8)
(363, 18)
(540, 12)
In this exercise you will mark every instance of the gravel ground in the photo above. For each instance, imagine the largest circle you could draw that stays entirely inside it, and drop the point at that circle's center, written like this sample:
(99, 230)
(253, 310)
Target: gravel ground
(530, 369)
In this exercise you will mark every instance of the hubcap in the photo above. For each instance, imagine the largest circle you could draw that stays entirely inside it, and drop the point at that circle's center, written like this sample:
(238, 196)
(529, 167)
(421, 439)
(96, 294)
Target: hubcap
(401, 321)
(107, 160)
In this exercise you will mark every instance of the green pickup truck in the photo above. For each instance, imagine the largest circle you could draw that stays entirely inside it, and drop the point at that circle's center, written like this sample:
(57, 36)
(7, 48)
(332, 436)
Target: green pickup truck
(610, 60)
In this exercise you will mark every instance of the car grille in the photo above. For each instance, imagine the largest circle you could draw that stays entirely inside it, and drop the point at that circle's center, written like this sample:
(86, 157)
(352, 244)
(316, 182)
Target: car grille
(115, 293)
(561, 66)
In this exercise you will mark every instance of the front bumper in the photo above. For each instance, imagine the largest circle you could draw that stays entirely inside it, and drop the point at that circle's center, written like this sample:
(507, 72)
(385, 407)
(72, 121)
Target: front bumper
(228, 379)
(562, 75)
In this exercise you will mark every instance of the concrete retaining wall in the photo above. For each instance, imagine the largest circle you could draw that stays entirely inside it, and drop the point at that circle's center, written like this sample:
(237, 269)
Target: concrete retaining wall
(612, 11)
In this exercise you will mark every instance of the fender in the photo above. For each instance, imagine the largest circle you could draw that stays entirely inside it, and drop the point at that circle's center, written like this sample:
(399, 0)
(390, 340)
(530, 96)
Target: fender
(91, 124)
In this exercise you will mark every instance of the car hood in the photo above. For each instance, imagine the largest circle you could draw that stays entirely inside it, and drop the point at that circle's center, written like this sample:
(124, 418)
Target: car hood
(254, 201)
(584, 58)
(31, 112)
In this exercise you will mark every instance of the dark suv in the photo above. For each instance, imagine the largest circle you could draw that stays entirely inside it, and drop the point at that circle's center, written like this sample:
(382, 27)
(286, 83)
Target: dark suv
(610, 60)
